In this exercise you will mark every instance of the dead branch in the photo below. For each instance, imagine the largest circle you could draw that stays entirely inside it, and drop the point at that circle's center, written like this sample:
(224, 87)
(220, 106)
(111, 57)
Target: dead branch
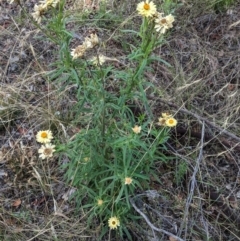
(192, 183)
(150, 224)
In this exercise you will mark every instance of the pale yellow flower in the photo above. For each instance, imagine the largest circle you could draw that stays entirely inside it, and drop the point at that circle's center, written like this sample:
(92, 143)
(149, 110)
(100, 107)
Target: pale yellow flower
(88, 43)
(163, 23)
(137, 129)
(162, 121)
(91, 41)
(171, 122)
(86, 159)
(78, 52)
(55, 2)
(99, 202)
(46, 3)
(98, 60)
(167, 120)
(128, 180)
(113, 222)
(146, 8)
(46, 151)
(44, 136)
(38, 12)
(166, 115)
(52, 3)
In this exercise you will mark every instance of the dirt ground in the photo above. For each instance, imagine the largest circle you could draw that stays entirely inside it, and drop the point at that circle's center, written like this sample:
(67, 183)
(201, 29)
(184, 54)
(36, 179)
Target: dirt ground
(199, 195)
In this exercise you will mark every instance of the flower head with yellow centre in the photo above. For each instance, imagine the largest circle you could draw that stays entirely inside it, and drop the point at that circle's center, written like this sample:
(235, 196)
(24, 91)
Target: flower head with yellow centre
(137, 129)
(113, 222)
(171, 122)
(167, 120)
(146, 8)
(46, 151)
(162, 24)
(44, 136)
(128, 180)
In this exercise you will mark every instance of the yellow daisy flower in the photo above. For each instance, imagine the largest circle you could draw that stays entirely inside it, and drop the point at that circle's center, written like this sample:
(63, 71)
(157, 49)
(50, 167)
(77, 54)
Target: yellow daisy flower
(147, 9)
(171, 122)
(137, 129)
(113, 222)
(44, 136)
(46, 151)
(128, 180)
(163, 23)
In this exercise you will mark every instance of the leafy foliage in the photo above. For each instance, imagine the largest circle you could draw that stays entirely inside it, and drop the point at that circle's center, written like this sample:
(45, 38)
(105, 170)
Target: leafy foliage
(109, 160)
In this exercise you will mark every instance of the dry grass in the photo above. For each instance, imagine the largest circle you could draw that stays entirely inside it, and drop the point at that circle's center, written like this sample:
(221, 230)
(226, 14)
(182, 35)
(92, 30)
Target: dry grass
(204, 53)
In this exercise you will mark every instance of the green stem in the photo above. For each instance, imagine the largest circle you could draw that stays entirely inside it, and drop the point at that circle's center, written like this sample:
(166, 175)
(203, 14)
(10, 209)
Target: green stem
(103, 96)
(147, 45)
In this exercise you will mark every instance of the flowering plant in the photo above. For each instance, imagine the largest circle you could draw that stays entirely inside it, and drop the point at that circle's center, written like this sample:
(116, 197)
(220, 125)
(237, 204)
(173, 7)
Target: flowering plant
(121, 148)
(114, 153)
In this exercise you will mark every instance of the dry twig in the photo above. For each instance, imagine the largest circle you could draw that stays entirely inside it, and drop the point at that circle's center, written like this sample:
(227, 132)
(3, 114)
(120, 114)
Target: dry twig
(193, 181)
(151, 225)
